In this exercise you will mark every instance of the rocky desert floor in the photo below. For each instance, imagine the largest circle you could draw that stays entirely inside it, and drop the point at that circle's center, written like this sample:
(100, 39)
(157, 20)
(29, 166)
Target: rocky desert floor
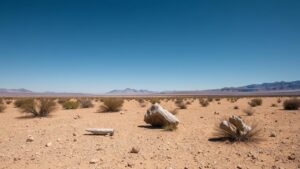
(61, 142)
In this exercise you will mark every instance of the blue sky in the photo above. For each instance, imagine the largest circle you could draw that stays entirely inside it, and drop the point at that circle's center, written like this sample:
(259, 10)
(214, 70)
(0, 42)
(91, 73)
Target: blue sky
(96, 46)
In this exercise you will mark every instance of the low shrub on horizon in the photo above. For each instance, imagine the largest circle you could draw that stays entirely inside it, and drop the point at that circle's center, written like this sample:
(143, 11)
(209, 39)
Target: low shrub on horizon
(180, 103)
(2, 107)
(71, 104)
(291, 104)
(255, 102)
(111, 105)
(204, 103)
(86, 103)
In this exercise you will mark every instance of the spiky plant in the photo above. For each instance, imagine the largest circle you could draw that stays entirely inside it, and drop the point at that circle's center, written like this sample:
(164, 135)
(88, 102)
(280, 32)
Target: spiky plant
(235, 134)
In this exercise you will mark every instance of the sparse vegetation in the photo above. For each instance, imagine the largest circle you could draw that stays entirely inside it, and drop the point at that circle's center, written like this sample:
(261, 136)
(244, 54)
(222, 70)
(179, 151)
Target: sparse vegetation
(204, 103)
(249, 111)
(273, 105)
(86, 103)
(255, 102)
(18, 103)
(2, 107)
(111, 105)
(170, 127)
(291, 104)
(180, 103)
(38, 107)
(174, 111)
(278, 100)
(71, 104)
(236, 133)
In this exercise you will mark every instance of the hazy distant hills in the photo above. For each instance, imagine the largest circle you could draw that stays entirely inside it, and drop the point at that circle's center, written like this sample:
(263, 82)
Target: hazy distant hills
(275, 88)
(129, 91)
(295, 85)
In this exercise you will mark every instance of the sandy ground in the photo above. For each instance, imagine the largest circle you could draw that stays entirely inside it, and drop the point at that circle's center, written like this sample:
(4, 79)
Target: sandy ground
(187, 147)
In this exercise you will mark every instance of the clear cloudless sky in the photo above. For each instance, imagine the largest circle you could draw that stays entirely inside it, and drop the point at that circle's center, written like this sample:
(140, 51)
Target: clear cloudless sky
(100, 45)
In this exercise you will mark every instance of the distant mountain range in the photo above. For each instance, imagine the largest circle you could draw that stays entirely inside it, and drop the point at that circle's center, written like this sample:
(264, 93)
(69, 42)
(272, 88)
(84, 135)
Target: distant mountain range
(289, 88)
(295, 85)
(129, 91)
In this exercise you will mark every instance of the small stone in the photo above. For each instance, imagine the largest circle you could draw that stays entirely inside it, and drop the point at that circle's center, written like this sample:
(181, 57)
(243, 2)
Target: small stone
(74, 134)
(29, 139)
(130, 164)
(239, 167)
(135, 150)
(76, 117)
(49, 144)
(273, 134)
(292, 156)
(93, 161)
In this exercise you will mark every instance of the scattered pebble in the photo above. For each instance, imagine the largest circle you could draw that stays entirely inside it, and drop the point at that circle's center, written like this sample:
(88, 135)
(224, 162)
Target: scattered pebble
(273, 134)
(29, 139)
(135, 150)
(49, 144)
(93, 161)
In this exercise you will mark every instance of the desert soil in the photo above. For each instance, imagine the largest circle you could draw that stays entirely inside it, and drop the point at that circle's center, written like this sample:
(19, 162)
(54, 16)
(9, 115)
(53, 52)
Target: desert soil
(60, 141)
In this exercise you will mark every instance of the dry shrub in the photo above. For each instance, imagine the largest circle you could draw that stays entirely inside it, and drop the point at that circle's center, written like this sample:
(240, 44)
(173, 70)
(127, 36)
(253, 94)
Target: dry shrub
(204, 103)
(141, 102)
(111, 105)
(8, 101)
(154, 100)
(210, 99)
(255, 102)
(19, 102)
(249, 111)
(273, 105)
(174, 111)
(254, 135)
(170, 127)
(86, 103)
(180, 103)
(2, 107)
(71, 104)
(38, 107)
(278, 100)
(291, 104)
(62, 100)
(217, 99)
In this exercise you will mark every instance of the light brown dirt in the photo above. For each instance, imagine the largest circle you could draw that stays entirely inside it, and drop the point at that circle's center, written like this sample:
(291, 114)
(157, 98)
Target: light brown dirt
(187, 147)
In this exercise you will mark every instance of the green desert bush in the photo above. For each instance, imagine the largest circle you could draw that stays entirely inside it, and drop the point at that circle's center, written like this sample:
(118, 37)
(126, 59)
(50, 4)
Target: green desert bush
(38, 107)
(255, 102)
(291, 104)
(71, 104)
(86, 103)
(111, 105)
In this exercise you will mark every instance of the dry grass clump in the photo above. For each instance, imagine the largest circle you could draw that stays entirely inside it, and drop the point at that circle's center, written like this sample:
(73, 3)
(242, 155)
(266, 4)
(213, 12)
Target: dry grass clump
(38, 107)
(62, 100)
(255, 102)
(170, 127)
(141, 102)
(233, 99)
(291, 104)
(154, 100)
(180, 103)
(210, 99)
(217, 99)
(19, 102)
(8, 101)
(86, 103)
(174, 111)
(2, 106)
(71, 104)
(278, 100)
(249, 111)
(273, 105)
(235, 133)
(203, 102)
(111, 105)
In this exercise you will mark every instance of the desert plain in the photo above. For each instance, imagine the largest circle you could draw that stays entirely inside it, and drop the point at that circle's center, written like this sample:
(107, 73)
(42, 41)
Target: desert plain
(61, 142)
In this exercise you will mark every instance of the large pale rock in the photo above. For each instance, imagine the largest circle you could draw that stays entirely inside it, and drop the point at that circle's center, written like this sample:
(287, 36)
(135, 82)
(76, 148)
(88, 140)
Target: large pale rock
(159, 117)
